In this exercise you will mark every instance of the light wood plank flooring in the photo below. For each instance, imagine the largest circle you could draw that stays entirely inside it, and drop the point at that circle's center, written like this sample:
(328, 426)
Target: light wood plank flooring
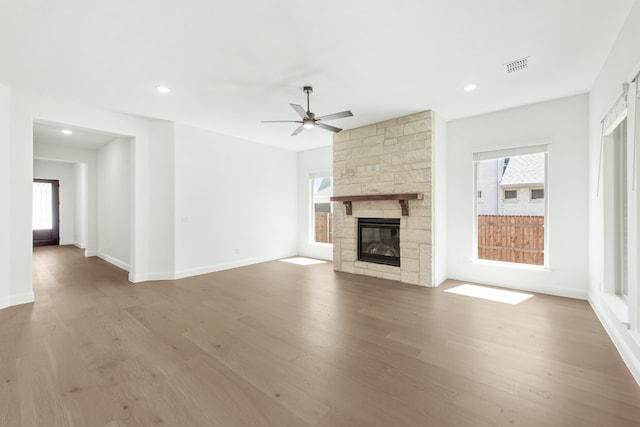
(277, 344)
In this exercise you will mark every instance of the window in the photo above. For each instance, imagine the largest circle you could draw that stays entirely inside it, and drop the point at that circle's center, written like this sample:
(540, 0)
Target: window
(616, 208)
(617, 192)
(511, 228)
(510, 194)
(537, 193)
(321, 212)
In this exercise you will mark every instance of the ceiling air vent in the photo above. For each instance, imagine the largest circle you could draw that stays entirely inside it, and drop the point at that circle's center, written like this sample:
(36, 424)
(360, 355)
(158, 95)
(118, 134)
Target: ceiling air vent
(517, 65)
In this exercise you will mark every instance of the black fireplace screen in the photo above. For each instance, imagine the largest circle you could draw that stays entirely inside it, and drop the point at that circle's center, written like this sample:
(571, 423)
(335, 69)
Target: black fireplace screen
(379, 240)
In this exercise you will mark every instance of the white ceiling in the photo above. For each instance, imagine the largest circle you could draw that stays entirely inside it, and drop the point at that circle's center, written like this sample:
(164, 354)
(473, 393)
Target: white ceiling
(51, 133)
(232, 64)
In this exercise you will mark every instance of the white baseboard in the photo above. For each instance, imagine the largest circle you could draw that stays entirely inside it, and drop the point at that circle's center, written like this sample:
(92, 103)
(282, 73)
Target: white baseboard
(115, 261)
(89, 253)
(79, 245)
(181, 274)
(23, 298)
(5, 302)
(627, 346)
(66, 242)
(138, 278)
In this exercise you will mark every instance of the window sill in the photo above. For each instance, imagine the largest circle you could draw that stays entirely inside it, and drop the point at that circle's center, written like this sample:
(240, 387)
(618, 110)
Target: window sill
(618, 306)
(322, 245)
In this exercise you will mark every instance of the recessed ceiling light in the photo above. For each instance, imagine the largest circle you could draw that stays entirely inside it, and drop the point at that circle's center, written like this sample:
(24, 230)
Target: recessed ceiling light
(66, 131)
(163, 89)
(470, 87)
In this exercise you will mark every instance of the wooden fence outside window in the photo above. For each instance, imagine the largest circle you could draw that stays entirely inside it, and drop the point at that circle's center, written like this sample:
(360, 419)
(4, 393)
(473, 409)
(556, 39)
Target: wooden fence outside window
(511, 238)
(323, 226)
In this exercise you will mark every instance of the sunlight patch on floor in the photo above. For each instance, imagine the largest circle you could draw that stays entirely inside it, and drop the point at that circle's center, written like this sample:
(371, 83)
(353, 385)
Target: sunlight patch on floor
(498, 295)
(303, 261)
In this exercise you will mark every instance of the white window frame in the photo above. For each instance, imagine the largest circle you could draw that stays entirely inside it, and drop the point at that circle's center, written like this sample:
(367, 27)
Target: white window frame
(512, 152)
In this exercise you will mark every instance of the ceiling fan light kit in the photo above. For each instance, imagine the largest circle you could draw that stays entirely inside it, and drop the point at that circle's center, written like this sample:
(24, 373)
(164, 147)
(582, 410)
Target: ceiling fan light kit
(309, 119)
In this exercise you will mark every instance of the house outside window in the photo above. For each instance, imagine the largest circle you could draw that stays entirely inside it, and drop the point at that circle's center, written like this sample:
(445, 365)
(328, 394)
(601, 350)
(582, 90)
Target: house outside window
(321, 210)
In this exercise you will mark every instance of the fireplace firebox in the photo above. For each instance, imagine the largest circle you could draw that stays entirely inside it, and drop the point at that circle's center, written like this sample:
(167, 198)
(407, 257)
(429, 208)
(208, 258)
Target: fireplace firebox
(379, 240)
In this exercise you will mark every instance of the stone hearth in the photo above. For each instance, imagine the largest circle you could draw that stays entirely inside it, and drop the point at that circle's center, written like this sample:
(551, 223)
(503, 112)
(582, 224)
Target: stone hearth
(391, 157)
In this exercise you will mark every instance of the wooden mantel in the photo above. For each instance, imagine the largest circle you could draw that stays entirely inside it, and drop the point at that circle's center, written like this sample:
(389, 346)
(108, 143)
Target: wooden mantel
(403, 199)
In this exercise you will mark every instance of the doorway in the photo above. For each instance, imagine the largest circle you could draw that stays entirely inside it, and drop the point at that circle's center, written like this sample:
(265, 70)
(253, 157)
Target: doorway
(46, 212)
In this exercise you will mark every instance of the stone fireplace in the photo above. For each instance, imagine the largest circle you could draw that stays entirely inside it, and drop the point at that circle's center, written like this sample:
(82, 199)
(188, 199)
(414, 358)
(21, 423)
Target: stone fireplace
(384, 172)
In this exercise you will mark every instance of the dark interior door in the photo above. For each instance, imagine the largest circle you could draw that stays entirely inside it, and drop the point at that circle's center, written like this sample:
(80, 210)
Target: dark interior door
(46, 212)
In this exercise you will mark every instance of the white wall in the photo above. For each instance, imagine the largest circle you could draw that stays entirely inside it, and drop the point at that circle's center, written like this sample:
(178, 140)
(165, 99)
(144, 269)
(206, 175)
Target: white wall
(114, 184)
(162, 205)
(82, 205)
(311, 163)
(64, 173)
(622, 63)
(20, 199)
(563, 125)
(235, 202)
(440, 190)
(5, 218)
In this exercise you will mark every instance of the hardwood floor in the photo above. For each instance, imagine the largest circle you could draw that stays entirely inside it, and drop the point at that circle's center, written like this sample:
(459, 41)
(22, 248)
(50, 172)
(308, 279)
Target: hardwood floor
(277, 344)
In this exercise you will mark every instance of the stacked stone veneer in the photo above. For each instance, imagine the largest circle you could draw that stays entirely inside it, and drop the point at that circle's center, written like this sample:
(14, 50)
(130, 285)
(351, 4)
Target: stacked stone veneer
(386, 158)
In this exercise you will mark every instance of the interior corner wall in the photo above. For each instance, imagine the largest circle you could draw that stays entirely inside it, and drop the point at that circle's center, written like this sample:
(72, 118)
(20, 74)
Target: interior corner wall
(620, 66)
(162, 205)
(235, 202)
(439, 226)
(310, 162)
(562, 124)
(5, 188)
(113, 199)
(20, 199)
(81, 205)
(64, 173)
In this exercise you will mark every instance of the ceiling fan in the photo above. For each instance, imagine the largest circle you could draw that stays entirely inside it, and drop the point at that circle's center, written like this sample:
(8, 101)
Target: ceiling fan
(309, 119)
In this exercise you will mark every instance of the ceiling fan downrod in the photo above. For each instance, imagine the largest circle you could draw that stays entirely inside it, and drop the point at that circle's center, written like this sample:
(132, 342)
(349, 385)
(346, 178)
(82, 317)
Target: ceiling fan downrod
(308, 90)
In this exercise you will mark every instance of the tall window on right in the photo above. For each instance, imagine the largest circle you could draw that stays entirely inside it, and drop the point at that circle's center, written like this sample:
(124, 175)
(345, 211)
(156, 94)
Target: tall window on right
(510, 214)
(616, 207)
(618, 191)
